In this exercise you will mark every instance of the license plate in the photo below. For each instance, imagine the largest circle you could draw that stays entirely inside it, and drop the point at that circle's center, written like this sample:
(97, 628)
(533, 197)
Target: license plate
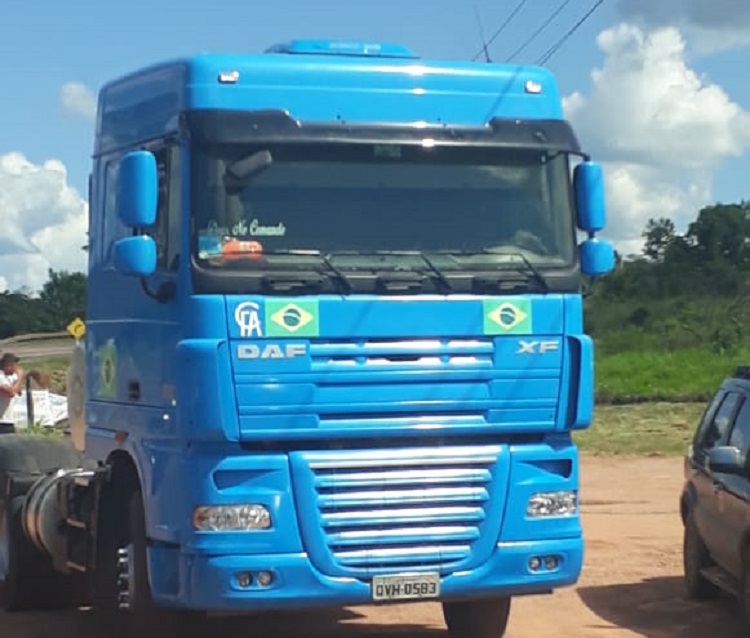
(405, 587)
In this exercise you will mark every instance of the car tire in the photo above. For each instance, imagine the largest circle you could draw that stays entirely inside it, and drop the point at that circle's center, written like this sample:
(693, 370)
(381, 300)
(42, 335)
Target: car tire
(696, 558)
(743, 595)
(486, 618)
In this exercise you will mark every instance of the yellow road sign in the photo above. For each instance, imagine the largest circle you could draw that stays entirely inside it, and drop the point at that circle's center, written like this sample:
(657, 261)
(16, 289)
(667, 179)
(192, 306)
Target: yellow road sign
(76, 328)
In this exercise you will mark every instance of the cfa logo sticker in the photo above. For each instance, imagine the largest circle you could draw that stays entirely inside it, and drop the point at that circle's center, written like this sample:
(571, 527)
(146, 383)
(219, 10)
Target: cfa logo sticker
(247, 317)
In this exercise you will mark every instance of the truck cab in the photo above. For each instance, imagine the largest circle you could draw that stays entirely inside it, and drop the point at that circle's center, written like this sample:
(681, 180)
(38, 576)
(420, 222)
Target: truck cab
(335, 349)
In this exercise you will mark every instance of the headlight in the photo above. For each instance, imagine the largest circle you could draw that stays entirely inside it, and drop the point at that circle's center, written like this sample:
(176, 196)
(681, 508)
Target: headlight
(544, 504)
(231, 518)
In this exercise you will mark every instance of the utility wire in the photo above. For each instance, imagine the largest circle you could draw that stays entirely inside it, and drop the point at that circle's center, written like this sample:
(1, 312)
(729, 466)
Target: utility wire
(536, 33)
(502, 28)
(556, 47)
(481, 35)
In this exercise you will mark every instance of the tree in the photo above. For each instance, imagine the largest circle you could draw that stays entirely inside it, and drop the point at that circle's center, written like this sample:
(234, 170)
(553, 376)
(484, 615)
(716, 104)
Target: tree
(721, 232)
(63, 298)
(659, 235)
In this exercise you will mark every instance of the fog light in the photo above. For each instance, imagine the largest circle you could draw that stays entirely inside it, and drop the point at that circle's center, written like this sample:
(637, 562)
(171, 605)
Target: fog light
(265, 579)
(543, 504)
(244, 580)
(550, 562)
(535, 563)
(231, 518)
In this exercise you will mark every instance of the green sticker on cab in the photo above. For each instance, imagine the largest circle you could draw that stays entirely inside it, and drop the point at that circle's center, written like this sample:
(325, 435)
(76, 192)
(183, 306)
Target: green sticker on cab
(507, 317)
(297, 318)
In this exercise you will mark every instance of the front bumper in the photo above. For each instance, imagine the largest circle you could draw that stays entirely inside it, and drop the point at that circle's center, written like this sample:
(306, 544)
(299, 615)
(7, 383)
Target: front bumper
(211, 583)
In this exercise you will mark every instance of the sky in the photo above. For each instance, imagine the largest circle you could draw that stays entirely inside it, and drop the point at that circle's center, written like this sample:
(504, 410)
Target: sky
(657, 90)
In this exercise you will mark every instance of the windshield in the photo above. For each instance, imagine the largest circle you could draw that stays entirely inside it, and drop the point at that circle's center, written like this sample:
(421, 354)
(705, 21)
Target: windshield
(254, 205)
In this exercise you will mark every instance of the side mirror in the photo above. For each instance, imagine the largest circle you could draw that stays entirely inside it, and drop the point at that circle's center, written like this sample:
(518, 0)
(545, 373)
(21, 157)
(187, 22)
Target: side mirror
(597, 257)
(588, 184)
(135, 256)
(138, 189)
(726, 459)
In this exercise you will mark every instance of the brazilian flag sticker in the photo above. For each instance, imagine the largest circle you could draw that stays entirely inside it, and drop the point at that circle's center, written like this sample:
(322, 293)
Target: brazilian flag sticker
(108, 370)
(290, 318)
(507, 317)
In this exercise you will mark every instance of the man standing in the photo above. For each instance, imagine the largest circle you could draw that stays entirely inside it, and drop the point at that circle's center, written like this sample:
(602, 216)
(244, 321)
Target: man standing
(11, 385)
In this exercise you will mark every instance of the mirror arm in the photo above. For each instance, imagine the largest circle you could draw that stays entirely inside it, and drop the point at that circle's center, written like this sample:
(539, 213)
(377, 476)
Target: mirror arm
(164, 294)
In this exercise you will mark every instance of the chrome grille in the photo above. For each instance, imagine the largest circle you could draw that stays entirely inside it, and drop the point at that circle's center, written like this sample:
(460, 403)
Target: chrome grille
(394, 510)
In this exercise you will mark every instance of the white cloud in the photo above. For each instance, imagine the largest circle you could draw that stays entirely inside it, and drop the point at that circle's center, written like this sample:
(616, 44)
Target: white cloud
(44, 222)
(659, 128)
(78, 99)
(715, 24)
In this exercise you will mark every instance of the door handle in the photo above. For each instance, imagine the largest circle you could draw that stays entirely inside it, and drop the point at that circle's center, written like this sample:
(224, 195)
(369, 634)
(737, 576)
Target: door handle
(134, 390)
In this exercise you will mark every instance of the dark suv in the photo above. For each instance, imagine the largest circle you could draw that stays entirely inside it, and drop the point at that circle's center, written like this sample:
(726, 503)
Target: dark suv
(715, 504)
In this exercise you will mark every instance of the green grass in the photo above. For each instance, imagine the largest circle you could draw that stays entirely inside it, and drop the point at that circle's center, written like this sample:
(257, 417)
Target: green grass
(685, 375)
(644, 429)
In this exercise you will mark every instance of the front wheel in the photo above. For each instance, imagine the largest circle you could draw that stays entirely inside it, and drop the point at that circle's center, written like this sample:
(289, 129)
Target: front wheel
(487, 618)
(744, 590)
(696, 558)
(147, 618)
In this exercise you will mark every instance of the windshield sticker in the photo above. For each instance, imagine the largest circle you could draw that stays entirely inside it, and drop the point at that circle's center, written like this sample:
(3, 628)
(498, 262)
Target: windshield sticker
(298, 318)
(255, 229)
(507, 317)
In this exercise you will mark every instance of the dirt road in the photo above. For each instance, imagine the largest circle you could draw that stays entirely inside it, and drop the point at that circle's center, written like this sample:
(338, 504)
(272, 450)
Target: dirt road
(631, 585)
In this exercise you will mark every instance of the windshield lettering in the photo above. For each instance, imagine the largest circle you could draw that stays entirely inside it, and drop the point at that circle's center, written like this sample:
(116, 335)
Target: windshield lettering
(256, 229)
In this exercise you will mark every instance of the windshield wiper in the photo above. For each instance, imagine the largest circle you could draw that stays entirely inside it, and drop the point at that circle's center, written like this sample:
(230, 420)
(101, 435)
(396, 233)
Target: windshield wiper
(434, 270)
(330, 271)
(526, 267)
(533, 270)
(439, 275)
(344, 284)
(334, 274)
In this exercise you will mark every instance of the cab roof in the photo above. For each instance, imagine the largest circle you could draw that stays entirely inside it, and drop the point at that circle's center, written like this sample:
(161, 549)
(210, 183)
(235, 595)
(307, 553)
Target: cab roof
(322, 81)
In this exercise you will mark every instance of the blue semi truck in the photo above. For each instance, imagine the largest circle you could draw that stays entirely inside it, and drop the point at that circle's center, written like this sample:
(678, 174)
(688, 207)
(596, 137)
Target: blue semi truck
(334, 352)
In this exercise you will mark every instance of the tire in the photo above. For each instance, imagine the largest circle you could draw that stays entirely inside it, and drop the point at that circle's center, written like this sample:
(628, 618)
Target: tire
(695, 558)
(35, 454)
(486, 618)
(29, 582)
(744, 591)
(146, 618)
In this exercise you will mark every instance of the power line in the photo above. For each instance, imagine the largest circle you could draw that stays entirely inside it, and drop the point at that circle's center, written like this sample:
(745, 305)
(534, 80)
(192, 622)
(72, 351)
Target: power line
(481, 35)
(536, 33)
(556, 47)
(502, 27)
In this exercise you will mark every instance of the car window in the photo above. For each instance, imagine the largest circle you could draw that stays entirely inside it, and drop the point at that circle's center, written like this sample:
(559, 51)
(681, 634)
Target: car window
(718, 428)
(740, 435)
(707, 417)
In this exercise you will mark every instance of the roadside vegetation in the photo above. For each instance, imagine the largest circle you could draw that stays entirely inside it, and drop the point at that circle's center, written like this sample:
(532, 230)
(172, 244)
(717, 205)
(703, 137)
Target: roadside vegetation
(643, 429)
(671, 323)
